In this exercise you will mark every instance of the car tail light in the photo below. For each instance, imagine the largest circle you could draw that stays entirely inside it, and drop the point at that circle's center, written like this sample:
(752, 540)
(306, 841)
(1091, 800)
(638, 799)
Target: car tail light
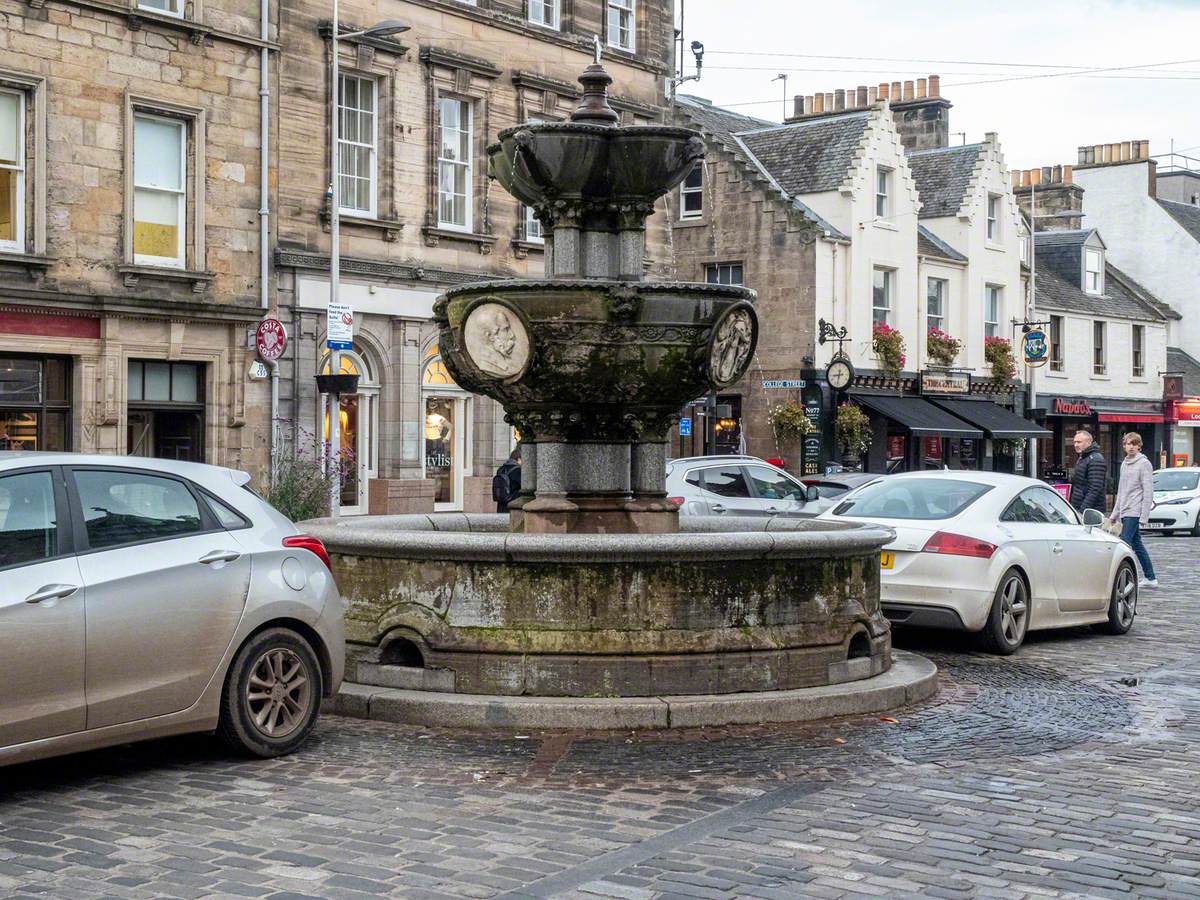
(958, 545)
(677, 501)
(311, 544)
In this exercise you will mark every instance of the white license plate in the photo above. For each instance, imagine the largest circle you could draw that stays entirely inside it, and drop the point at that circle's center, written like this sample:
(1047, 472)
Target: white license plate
(1155, 525)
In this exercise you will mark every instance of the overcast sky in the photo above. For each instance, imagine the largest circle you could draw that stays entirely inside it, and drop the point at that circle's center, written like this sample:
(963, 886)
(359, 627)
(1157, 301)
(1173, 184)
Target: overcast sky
(1040, 121)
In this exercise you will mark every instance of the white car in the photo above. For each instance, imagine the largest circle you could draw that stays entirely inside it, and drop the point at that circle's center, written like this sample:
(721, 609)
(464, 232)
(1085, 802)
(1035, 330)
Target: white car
(737, 486)
(1176, 501)
(994, 554)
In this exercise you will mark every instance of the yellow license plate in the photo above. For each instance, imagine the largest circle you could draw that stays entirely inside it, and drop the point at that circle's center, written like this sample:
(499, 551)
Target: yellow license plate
(887, 560)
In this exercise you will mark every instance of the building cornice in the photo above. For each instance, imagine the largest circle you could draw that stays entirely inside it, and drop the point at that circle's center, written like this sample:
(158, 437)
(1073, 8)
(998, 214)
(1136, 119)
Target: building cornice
(136, 19)
(319, 262)
(451, 60)
(61, 303)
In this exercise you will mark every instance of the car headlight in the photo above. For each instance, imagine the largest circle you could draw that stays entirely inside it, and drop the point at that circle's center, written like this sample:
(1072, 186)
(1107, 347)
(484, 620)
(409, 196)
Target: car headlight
(1179, 502)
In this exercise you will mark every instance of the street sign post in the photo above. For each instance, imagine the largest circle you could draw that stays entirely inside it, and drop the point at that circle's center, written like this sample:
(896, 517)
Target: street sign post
(339, 331)
(685, 426)
(270, 339)
(777, 384)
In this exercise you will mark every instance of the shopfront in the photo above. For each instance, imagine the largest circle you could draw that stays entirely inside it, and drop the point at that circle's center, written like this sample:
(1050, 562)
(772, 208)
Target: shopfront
(1108, 421)
(35, 402)
(1185, 432)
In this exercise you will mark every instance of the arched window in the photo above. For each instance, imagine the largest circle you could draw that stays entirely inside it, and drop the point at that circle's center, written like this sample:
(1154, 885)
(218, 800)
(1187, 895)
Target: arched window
(433, 370)
(352, 363)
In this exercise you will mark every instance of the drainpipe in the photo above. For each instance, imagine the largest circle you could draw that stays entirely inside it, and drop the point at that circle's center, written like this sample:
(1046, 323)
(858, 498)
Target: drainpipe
(264, 210)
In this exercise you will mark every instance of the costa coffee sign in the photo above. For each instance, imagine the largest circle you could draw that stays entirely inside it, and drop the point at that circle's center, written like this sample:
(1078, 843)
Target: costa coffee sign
(270, 339)
(1071, 407)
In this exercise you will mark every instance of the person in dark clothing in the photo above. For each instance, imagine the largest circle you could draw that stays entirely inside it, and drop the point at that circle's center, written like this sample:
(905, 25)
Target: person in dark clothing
(506, 483)
(1090, 477)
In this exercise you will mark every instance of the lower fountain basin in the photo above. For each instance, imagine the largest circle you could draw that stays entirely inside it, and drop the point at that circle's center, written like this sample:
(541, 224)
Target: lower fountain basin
(453, 602)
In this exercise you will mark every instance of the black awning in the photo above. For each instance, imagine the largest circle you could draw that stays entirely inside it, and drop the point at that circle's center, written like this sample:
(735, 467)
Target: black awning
(920, 417)
(997, 421)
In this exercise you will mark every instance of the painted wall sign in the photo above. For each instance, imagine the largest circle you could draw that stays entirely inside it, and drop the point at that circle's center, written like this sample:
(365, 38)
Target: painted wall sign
(1071, 407)
(1037, 349)
(945, 382)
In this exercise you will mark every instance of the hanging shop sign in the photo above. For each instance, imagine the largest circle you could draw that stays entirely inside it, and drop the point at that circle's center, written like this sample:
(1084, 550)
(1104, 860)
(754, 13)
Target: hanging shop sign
(811, 446)
(945, 382)
(1037, 348)
(270, 339)
(1071, 407)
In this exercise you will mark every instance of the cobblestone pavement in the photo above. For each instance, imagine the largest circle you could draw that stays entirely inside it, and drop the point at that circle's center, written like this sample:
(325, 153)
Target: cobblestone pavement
(1036, 775)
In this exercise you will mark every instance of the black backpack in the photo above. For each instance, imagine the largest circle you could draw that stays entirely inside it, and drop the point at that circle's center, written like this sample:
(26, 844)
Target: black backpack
(506, 483)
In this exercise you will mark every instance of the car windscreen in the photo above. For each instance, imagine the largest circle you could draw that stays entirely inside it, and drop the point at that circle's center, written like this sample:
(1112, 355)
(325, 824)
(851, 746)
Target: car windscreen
(912, 498)
(827, 490)
(1166, 480)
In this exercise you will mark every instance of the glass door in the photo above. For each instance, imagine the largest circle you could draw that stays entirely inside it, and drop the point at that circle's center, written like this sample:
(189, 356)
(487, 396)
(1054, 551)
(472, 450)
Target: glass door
(445, 445)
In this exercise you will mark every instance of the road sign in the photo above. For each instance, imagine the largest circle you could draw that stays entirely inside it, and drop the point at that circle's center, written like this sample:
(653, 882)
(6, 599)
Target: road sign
(270, 339)
(339, 326)
(685, 426)
(783, 384)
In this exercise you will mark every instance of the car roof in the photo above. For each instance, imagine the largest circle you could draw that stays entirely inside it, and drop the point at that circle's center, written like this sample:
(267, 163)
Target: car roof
(716, 458)
(15, 459)
(1002, 479)
(1179, 469)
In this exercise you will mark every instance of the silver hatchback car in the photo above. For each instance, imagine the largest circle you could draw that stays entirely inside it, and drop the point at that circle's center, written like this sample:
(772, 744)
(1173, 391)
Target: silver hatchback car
(144, 597)
(737, 486)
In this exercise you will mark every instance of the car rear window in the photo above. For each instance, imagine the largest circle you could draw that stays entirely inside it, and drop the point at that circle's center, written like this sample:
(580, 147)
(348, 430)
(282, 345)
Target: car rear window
(913, 498)
(1176, 481)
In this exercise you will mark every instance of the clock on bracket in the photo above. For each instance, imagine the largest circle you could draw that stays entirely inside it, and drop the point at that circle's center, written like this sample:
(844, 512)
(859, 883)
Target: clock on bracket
(839, 373)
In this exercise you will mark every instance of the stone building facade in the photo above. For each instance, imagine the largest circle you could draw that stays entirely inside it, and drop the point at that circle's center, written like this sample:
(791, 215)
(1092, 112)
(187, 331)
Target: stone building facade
(130, 226)
(419, 213)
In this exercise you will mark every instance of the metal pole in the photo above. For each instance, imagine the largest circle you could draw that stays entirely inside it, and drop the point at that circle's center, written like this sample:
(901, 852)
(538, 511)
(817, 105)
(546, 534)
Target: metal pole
(335, 200)
(1030, 316)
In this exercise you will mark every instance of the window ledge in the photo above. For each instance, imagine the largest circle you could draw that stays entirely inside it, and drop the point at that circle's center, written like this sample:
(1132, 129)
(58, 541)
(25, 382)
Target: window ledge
(691, 222)
(992, 245)
(434, 235)
(1052, 374)
(886, 225)
(34, 264)
(133, 274)
(1096, 377)
(390, 227)
(523, 248)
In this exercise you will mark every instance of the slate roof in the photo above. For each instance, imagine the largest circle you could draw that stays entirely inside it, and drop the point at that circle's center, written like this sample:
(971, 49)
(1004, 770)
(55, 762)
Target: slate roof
(716, 120)
(808, 157)
(1185, 214)
(1179, 361)
(942, 177)
(929, 244)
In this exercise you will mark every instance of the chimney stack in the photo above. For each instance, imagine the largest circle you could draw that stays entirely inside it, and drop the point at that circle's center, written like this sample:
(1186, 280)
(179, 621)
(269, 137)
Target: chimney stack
(1113, 154)
(1056, 197)
(921, 114)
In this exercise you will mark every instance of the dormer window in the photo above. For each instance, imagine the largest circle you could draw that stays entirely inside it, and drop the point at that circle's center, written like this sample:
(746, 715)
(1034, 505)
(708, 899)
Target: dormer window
(883, 192)
(993, 218)
(1093, 271)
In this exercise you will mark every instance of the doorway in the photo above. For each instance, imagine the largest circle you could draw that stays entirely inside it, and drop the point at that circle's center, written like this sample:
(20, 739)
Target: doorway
(165, 417)
(358, 427)
(444, 448)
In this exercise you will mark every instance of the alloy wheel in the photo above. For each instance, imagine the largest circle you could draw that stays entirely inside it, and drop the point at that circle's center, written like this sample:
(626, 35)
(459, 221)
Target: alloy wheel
(1014, 610)
(278, 692)
(1125, 596)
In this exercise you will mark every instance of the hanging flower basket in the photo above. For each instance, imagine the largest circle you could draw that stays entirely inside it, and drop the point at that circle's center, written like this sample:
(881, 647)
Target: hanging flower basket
(853, 428)
(789, 421)
(888, 344)
(942, 349)
(1010, 446)
(999, 355)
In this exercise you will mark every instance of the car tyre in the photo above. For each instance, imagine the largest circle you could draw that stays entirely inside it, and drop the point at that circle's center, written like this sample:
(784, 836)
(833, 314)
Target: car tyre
(1195, 532)
(272, 695)
(1122, 602)
(1008, 622)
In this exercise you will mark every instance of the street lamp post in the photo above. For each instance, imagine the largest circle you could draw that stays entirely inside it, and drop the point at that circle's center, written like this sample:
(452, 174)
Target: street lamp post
(385, 28)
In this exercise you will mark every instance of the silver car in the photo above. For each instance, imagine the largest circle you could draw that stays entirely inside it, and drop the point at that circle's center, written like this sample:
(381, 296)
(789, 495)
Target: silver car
(143, 597)
(736, 486)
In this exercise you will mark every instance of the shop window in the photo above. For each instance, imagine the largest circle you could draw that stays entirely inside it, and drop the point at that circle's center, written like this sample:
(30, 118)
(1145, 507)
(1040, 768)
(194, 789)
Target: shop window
(166, 410)
(12, 171)
(34, 403)
(1056, 343)
(691, 194)
(883, 286)
(357, 145)
(723, 273)
(454, 164)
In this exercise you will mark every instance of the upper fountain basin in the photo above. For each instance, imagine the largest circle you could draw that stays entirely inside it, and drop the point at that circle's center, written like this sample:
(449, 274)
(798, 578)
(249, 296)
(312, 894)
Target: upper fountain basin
(539, 164)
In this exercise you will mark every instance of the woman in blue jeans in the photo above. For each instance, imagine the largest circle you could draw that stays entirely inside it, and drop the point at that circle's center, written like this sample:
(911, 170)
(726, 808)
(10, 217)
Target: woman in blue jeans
(1135, 498)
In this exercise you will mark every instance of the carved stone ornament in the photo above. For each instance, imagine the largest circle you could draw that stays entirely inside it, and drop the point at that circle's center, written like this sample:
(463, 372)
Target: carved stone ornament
(733, 342)
(496, 340)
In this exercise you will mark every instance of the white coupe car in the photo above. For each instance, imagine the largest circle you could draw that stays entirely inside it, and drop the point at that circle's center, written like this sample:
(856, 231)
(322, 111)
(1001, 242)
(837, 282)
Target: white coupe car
(1176, 501)
(994, 554)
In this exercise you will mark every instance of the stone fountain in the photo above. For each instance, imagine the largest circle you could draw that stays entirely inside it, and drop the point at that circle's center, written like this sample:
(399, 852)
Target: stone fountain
(593, 587)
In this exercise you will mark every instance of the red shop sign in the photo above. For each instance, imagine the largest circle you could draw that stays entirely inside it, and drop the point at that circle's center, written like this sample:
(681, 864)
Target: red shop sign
(270, 339)
(1071, 407)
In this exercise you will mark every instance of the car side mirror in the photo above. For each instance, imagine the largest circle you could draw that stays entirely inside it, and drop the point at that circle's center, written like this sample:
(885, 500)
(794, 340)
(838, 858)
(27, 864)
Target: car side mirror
(811, 493)
(1092, 518)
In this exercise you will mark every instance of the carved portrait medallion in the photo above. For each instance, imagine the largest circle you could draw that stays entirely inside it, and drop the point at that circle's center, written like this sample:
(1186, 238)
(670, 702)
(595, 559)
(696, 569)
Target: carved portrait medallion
(496, 340)
(733, 341)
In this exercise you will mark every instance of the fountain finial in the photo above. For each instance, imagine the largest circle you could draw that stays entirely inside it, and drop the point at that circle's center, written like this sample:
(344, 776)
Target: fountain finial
(594, 108)
(596, 41)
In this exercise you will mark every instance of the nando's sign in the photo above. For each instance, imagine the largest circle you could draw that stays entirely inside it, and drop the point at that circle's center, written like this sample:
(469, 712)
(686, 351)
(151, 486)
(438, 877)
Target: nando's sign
(1071, 407)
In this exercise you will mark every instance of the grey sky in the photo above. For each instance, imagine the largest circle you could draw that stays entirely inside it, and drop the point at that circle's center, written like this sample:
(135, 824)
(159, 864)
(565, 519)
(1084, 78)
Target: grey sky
(1040, 121)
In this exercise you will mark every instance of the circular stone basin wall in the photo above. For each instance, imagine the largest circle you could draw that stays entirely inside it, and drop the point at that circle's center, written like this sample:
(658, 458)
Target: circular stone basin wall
(456, 602)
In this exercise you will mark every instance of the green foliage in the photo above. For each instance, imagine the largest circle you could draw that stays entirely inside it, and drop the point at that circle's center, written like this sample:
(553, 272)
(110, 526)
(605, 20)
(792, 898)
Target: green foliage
(789, 421)
(853, 428)
(999, 355)
(942, 348)
(301, 485)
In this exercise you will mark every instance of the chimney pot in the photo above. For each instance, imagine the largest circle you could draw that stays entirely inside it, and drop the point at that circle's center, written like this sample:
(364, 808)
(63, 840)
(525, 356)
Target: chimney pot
(1101, 154)
(829, 102)
(1056, 175)
(1015, 178)
(861, 94)
(908, 91)
(896, 94)
(809, 108)
(1026, 177)
(839, 100)
(884, 93)
(797, 106)
(872, 95)
(1145, 149)
(1125, 152)
(1047, 175)
(1067, 174)
(1082, 156)
(922, 87)
(1035, 176)
(818, 103)
(990, 137)
(935, 85)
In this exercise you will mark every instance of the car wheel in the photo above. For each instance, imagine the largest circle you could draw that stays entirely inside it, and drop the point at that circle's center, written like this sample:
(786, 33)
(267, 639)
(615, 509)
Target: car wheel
(1196, 528)
(1122, 604)
(1009, 619)
(272, 694)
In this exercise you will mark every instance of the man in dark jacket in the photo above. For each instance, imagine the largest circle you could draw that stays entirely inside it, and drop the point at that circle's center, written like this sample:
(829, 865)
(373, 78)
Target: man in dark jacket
(507, 482)
(1090, 477)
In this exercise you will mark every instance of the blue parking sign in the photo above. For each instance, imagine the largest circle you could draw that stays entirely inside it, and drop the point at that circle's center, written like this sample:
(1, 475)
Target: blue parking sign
(685, 426)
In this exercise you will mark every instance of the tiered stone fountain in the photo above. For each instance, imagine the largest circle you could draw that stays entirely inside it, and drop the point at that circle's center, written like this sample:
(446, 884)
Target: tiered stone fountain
(593, 587)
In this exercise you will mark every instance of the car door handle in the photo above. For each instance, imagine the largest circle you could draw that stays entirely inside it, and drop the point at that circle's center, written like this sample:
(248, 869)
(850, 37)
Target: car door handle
(774, 509)
(52, 592)
(217, 556)
(717, 508)
(1057, 548)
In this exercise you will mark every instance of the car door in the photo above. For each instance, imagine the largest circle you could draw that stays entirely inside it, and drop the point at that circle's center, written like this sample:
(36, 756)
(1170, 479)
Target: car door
(41, 610)
(166, 586)
(1079, 557)
(782, 494)
(727, 492)
(1027, 525)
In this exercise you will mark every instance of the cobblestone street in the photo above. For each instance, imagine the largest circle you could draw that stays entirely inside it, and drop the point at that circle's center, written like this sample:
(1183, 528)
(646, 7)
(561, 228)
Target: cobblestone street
(1069, 769)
